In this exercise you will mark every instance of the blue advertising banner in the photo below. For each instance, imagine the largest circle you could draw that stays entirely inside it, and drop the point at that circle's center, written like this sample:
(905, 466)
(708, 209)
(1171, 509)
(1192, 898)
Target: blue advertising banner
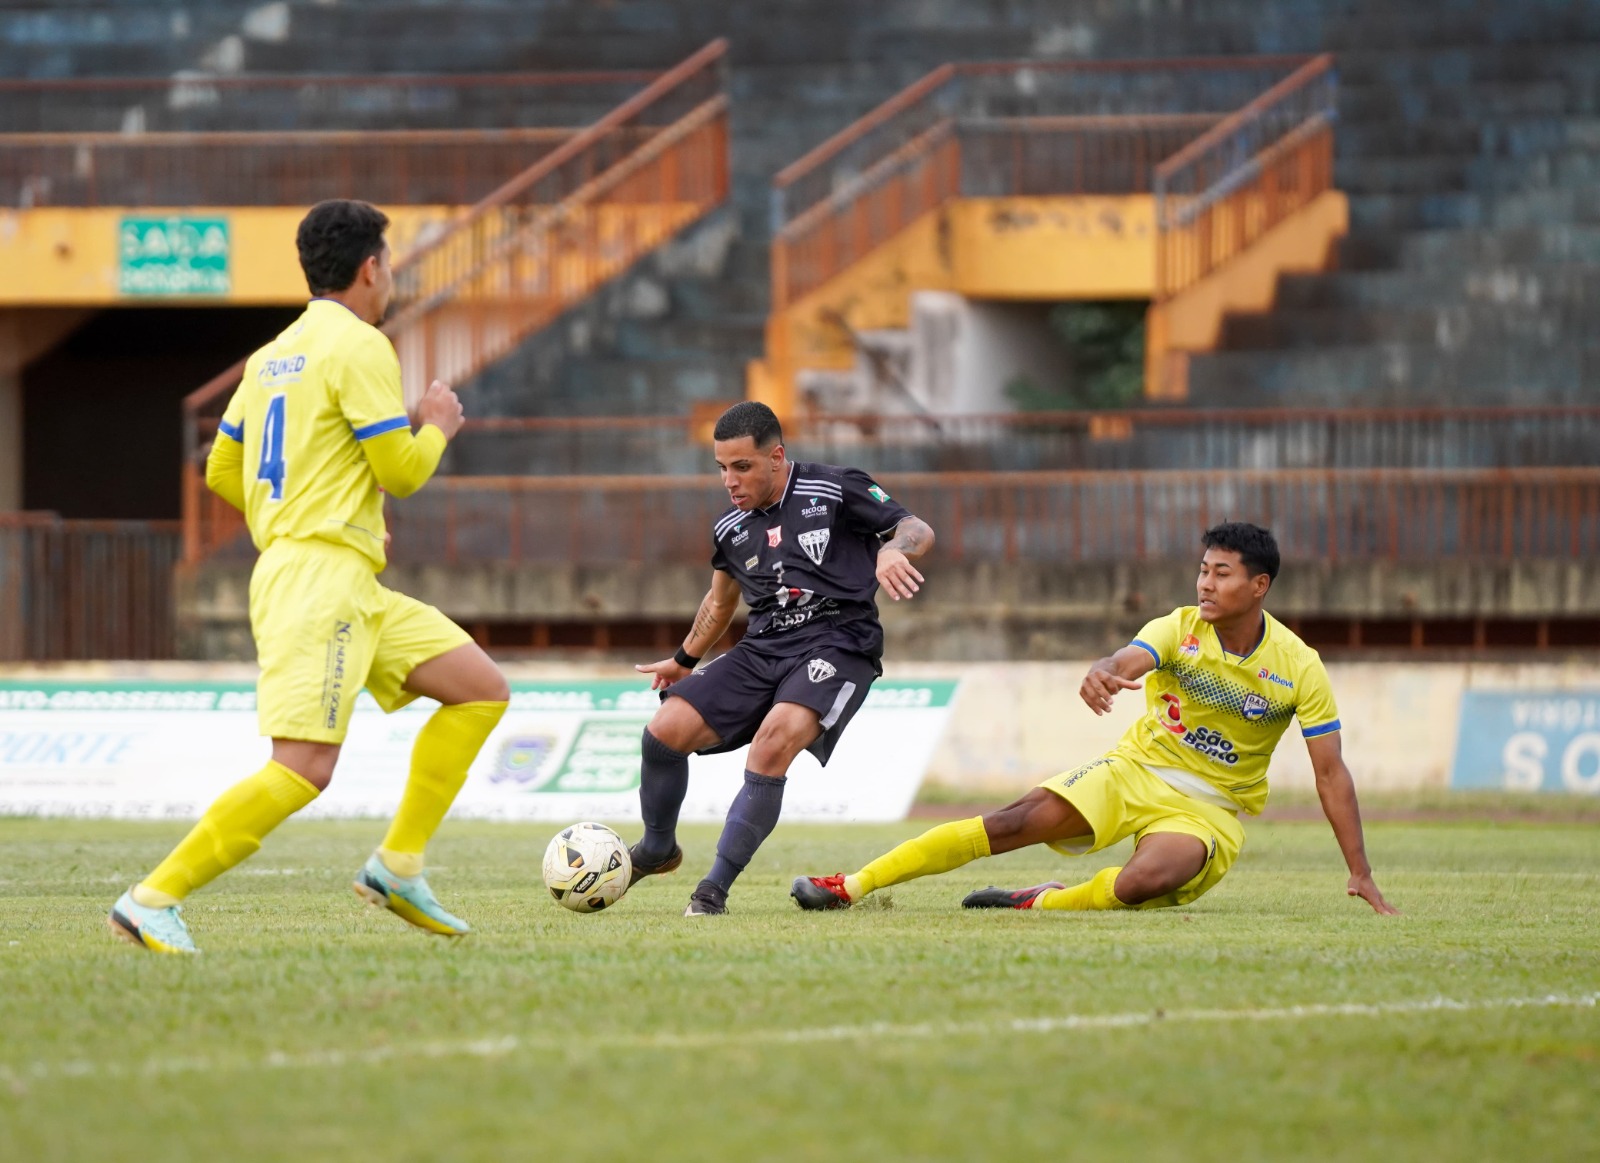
(1529, 741)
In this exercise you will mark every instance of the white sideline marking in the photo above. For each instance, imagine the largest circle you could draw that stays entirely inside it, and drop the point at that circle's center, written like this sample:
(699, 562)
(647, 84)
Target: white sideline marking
(16, 1076)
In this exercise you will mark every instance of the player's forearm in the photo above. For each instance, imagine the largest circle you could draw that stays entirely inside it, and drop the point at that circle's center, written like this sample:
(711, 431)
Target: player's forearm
(912, 537)
(711, 622)
(1337, 791)
(403, 463)
(225, 470)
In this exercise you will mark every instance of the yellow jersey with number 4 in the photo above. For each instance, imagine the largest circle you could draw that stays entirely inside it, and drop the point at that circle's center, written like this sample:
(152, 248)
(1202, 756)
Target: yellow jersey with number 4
(1219, 715)
(316, 430)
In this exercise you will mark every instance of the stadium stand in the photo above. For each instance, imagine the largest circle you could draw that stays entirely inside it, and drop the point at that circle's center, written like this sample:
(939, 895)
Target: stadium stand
(1444, 338)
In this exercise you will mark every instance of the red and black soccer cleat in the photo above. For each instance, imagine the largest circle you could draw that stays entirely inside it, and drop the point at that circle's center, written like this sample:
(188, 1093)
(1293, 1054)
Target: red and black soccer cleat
(1007, 898)
(820, 892)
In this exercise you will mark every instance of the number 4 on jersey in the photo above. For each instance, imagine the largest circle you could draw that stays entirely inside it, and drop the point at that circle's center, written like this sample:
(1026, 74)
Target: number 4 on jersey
(272, 466)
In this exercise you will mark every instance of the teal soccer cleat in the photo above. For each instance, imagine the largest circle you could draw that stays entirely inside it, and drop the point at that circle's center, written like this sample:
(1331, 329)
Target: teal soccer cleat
(158, 930)
(407, 897)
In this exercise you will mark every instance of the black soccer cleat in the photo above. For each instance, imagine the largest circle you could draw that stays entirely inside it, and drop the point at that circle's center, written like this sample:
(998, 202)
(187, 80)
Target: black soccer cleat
(641, 869)
(1006, 898)
(707, 900)
(820, 892)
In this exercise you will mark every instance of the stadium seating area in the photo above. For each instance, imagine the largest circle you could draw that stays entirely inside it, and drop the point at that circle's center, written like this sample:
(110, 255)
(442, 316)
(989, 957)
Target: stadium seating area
(1446, 332)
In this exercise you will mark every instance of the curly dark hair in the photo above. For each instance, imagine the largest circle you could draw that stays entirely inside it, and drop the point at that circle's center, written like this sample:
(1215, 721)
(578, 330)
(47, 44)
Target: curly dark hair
(1257, 547)
(757, 421)
(335, 238)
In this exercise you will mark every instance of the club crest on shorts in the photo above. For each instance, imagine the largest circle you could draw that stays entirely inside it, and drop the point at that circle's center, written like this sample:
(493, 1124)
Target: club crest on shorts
(815, 543)
(774, 536)
(820, 670)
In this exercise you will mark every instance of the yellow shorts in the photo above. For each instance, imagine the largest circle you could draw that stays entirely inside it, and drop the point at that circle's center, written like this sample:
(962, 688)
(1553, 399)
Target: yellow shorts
(1121, 798)
(325, 628)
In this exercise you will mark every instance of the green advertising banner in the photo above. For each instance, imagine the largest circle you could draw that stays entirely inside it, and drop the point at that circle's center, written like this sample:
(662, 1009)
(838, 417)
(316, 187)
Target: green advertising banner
(564, 751)
(173, 255)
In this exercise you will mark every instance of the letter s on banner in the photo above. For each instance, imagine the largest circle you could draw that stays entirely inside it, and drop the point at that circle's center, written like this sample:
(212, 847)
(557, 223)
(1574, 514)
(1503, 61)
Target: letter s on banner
(1523, 757)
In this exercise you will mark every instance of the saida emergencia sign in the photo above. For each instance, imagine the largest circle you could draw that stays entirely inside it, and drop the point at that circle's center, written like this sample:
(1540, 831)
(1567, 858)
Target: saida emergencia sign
(174, 255)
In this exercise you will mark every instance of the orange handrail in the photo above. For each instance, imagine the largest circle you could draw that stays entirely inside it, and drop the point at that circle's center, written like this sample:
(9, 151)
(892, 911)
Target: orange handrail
(1232, 184)
(531, 248)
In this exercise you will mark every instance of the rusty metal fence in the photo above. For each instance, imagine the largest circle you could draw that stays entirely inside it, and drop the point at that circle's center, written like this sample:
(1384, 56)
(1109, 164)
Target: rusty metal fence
(992, 129)
(1328, 516)
(1142, 439)
(287, 140)
(76, 590)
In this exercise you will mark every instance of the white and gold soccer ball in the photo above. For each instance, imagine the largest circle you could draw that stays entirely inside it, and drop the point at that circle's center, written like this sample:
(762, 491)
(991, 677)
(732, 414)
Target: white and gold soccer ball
(587, 868)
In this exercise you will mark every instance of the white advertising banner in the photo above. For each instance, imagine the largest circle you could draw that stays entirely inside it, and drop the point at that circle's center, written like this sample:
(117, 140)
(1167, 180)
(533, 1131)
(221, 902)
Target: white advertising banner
(565, 751)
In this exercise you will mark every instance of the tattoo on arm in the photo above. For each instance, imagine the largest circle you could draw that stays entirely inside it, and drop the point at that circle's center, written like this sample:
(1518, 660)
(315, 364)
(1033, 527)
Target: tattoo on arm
(912, 537)
(710, 624)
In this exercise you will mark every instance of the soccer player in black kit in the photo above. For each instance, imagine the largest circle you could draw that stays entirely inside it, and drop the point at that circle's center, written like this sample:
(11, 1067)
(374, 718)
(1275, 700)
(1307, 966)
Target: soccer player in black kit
(807, 545)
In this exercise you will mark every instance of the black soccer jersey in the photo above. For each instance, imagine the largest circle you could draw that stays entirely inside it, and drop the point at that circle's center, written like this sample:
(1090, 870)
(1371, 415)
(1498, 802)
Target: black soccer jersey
(809, 561)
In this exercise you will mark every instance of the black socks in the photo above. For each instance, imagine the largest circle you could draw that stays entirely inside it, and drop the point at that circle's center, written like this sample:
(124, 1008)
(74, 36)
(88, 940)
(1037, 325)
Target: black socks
(663, 782)
(751, 818)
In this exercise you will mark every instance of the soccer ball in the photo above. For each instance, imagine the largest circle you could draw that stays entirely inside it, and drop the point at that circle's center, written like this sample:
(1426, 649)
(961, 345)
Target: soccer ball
(586, 867)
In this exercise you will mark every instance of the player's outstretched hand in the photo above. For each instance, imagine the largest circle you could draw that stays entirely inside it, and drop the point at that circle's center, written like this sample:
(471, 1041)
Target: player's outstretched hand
(441, 407)
(1101, 686)
(664, 673)
(1367, 889)
(898, 577)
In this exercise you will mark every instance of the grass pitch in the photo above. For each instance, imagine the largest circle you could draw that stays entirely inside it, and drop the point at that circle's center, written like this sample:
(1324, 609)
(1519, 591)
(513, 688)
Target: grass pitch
(1249, 1026)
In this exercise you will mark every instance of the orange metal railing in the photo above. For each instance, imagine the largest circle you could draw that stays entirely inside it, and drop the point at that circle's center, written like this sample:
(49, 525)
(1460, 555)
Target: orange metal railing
(534, 247)
(85, 589)
(1228, 187)
(993, 129)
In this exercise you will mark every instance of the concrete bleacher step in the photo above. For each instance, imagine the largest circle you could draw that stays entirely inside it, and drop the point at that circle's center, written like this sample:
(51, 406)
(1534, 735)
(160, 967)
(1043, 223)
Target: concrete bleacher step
(1459, 210)
(730, 337)
(1446, 327)
(1469, 65)
(1434, 250)
(1549, 285)
(1397, 375)
(1575, 168)
(1486, 102)
(1505, 137)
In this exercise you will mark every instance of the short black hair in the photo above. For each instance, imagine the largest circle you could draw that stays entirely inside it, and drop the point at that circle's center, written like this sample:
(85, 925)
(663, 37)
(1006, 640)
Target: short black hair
(335, 238)
(757, 421)
(1257, 547)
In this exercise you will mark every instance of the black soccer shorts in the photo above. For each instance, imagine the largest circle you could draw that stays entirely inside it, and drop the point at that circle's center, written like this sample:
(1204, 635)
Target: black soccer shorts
(734, 691)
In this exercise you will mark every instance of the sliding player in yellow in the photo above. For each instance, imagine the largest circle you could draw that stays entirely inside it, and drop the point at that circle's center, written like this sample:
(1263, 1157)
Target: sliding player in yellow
(315, 430)
(1225, 679)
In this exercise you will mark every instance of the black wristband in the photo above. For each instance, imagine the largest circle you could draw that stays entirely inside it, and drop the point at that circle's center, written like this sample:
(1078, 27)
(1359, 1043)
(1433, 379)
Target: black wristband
(684, 659)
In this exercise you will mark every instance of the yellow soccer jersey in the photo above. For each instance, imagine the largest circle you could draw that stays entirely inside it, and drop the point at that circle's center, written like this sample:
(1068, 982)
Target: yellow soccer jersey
(1219, 715)
(314, 408)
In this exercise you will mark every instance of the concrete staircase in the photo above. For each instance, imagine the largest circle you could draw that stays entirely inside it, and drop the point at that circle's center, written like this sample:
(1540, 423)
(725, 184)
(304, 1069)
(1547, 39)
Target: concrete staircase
(1471, 272)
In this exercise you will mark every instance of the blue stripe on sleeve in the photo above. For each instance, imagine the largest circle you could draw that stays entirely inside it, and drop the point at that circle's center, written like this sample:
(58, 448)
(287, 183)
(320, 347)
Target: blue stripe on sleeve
(231, 431)
(1325, 729)
(1140, 642)
(379, 427)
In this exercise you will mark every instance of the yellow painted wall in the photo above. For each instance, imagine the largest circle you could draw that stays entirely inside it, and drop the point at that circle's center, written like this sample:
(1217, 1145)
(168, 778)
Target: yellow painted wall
(1191, 320)
(1054, 248)
(63, 257)
(983, 248)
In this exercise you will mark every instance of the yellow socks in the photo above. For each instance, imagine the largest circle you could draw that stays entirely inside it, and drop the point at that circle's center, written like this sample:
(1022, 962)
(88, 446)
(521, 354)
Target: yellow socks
(1095, 893)
(936, 850)
(446, 746)
(230, 831)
